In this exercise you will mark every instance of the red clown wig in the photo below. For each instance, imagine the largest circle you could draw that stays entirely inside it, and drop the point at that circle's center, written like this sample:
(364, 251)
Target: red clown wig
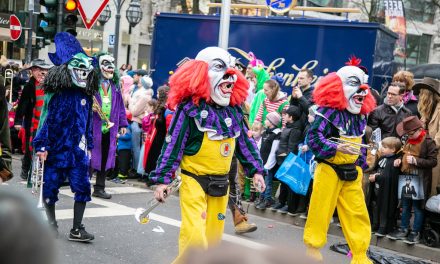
(191, 81)
(329, 92)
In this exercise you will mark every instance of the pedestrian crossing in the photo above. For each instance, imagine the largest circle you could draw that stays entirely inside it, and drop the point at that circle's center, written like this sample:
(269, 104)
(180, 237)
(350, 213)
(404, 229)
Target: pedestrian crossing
(109, 209)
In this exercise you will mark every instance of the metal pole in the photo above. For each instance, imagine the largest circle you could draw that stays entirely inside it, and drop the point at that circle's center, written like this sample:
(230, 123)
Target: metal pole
(118, 5)
(223, 37)
(29, 40)
(60, 16)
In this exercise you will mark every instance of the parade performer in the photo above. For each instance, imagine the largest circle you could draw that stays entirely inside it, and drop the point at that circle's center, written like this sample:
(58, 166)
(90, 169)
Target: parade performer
(109, 100)
(206, 130)
(28, 110)
(344, 99)
(64, 139)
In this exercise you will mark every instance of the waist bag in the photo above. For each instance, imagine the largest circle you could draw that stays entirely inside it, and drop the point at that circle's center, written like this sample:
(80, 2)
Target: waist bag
(212, 185)
(345, 172)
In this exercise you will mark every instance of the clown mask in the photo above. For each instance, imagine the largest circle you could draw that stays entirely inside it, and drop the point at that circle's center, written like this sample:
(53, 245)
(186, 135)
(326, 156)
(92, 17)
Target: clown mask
(221, 74)
(107, 66)
(354, 82)
(80, 66)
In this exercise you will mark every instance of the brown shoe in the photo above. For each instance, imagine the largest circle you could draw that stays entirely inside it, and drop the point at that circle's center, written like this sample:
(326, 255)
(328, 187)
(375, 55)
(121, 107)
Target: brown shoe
(245, 227)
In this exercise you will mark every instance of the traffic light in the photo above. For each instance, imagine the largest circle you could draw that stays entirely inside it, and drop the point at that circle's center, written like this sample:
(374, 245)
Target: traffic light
(47, 22)
(70, 16)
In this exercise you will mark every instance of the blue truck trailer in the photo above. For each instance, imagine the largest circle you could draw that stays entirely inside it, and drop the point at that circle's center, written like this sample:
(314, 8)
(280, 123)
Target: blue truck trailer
(284, 44)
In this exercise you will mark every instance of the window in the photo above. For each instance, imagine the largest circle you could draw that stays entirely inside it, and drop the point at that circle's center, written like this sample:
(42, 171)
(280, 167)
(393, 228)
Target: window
(417, 50)
(419, 10)
(323, 3)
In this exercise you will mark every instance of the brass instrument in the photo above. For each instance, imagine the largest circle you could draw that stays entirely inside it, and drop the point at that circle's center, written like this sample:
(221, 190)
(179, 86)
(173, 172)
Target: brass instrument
(9, 75)
(142, 215)
(37, 180)
(97, 108)
(355, 147)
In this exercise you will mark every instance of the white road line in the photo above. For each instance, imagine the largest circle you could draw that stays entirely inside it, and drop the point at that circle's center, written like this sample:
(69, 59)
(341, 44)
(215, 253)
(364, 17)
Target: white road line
(114, 209)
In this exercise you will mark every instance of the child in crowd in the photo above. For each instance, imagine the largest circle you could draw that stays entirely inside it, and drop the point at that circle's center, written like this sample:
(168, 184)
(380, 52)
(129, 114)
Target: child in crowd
(383, 188)
(124, 154)
(249, 192)
(290, 138)
(148, 120)
(269, 146)
(419, 157)
(306, 154)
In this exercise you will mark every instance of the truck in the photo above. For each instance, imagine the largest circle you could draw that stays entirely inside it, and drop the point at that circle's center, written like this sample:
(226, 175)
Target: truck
(285, 44)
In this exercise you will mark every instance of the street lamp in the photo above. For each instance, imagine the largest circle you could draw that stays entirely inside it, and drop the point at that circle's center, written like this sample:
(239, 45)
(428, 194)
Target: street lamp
(134, 13)
(134, 16)
(106, 14)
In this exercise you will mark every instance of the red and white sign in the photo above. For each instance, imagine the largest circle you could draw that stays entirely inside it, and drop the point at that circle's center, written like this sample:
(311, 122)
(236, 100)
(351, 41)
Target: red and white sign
(14, 27)
(90, 10)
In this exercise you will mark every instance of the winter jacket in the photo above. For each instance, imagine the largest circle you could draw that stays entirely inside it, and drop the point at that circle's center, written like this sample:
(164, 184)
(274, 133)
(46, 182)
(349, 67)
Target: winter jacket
(26, 104)
(385, 118)
(124, 142)
(290, 138)
(268, 138)
(137, 103)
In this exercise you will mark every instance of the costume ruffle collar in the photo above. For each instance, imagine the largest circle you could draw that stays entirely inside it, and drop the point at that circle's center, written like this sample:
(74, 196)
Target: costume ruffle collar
(218, 122)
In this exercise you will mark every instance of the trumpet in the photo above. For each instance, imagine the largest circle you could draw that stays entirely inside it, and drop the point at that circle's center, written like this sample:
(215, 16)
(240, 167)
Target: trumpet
(142, 215)
(101, 114)
(37, 180)
(353, 146)
(9, 75)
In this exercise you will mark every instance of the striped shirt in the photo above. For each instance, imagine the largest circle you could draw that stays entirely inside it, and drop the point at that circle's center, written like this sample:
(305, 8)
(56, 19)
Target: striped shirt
(39, 95)
(272, 107)
(328, 120)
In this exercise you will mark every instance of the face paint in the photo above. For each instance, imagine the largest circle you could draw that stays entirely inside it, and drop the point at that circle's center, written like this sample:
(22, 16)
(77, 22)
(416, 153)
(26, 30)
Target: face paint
(107, 66)
(355, 89)
(80, 66)
(221, 76)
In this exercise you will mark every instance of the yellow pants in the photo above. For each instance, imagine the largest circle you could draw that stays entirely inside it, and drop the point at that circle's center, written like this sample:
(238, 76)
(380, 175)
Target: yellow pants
(330, 192)
(203, 217)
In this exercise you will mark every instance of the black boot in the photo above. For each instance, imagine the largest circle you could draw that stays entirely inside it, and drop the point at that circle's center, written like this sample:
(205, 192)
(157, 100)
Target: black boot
(50, 213)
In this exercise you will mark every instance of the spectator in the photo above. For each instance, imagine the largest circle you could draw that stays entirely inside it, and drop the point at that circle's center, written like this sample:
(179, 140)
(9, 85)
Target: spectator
(126, 85)
(123, 69)
(140, 95)
(383, 188)
(305, 78)
(269, 146)
(124, 153)
(391, 112)
(261, 76)
(409, 99)
(5, 142)
(429, 109)
(275, 101)
(291, 137)
(159, 125)
(248, 189)
(419, 157)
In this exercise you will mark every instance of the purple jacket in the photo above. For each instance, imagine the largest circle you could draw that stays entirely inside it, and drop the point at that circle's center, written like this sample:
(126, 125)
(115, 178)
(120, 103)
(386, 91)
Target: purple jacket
(118, 117)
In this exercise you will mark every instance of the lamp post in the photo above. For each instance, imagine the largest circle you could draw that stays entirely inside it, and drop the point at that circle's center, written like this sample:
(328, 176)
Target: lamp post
(133, 15)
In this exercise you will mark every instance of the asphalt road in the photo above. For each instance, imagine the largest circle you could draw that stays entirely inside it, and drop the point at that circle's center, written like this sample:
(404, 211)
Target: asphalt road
(120, 239)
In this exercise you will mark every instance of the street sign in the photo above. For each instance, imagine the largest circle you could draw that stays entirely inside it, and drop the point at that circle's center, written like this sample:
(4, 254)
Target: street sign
(90, 11)
(280, 6)
(14, 27)
(111, 40)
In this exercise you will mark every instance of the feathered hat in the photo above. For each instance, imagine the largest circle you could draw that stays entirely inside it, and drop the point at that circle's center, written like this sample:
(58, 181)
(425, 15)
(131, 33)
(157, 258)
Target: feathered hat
(66, 47)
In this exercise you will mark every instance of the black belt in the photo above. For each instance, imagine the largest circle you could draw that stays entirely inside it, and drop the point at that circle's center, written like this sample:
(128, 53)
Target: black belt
(214, 185)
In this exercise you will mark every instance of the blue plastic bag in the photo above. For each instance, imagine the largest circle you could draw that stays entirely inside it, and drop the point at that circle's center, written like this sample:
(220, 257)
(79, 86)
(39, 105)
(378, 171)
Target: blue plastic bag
(295, 173)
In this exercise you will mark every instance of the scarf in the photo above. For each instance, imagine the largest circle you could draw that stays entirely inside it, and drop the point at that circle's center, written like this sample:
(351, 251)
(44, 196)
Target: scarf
(419, 139)
(408, 96)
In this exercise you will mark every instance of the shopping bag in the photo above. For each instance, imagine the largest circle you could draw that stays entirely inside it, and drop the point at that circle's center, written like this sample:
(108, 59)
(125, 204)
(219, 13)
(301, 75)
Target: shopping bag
(295, 173)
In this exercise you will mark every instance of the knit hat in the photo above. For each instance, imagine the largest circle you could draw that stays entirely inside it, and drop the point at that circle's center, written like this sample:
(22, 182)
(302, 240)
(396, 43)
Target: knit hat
(274, 118)
(146, 82)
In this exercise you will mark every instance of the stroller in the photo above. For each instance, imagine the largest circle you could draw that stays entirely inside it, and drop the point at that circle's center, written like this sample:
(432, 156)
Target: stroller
(432, 221)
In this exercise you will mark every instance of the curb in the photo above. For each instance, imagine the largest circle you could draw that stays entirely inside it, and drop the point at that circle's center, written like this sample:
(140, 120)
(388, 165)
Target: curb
(418, 250)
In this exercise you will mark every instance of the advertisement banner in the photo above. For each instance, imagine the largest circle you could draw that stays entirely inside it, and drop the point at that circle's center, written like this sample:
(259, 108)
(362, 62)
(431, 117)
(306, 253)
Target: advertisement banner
(395, 20)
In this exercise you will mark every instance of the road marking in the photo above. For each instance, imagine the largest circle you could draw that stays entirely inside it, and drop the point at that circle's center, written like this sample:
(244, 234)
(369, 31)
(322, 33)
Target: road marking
(114, 209)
